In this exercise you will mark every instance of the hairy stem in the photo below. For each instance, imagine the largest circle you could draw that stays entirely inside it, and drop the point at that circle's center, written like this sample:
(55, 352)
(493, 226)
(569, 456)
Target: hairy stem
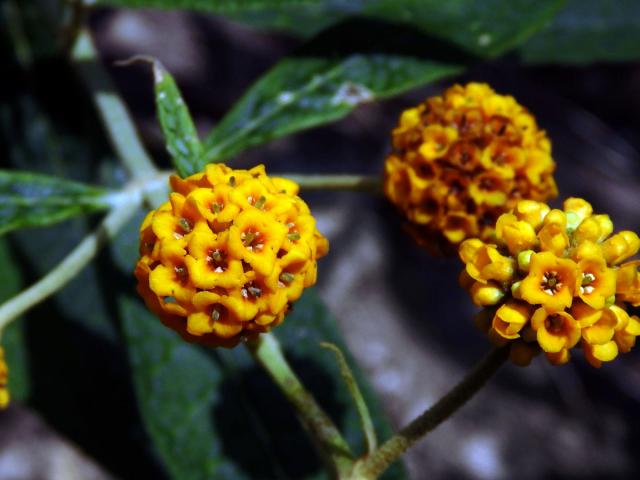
(334, 449)
(374, 465)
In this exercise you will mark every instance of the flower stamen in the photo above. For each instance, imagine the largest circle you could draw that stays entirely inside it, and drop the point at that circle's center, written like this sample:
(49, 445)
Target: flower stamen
(185, 225)
(551, 283)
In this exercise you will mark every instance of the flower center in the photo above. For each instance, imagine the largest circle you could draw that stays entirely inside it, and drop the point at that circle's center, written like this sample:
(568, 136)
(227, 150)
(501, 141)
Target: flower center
(251, 291)
(551, 283)
(252, 240)
(185, 225)
(554, 324)
(586, 284)
(293, 234)
(181, 274)
(217, 259)
(217, 312)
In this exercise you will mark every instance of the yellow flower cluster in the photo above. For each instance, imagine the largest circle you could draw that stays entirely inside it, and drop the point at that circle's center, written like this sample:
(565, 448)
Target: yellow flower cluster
(555, 279)
(227, 255)
(462, 159)
(4, 380)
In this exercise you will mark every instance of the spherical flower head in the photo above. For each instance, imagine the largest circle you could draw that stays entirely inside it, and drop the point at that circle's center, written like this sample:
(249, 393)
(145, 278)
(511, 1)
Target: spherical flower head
(552, 280)
(462, 159)
(227, 255)
(4, 381)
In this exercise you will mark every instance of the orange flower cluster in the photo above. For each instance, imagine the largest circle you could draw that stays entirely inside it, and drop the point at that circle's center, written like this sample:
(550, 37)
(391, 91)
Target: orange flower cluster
(227, 255)
(4, 380)
(555, 279)
(462, 159)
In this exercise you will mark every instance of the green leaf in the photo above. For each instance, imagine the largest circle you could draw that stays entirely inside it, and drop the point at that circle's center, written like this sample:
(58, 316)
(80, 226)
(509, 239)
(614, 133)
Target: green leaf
(181, 137)
(177, 385)
(330, 77)
(30, 199)
(301, 93)
(486, 28)
(588, 31)
(215, 414)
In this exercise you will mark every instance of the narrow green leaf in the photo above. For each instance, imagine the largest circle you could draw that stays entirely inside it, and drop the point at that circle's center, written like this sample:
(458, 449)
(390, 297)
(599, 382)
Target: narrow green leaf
(215, 414)
(588, 31)
(486, 28)
(30, 199)
(302, 92)
(351, 383)
(181, 137)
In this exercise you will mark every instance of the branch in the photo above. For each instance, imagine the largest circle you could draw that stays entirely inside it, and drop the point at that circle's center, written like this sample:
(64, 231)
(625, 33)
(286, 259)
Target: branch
(373, 466)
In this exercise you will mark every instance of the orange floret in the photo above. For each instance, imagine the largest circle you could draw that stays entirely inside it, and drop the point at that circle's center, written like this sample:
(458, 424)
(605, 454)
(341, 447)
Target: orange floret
(227, 255)
(460, 160)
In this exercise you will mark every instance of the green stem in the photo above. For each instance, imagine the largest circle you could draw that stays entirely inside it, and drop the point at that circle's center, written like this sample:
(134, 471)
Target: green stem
(125, 205)
(374, 465)
(361, 406)
(364, 183)
(112, 110)
(333, 447)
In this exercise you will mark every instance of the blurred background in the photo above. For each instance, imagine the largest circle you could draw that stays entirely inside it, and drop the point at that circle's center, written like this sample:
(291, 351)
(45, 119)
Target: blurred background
(401, 312)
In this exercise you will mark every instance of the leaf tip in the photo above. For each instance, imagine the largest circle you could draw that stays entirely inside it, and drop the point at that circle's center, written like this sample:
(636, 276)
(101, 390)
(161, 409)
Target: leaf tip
(158, 68)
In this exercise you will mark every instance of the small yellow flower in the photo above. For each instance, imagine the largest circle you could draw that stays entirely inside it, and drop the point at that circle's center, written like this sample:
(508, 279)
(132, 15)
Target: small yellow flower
(595, 281)
(578, 207)
(550, 282)
(531, 212)
(628, 283)
(598, 353)
(227, 255)
(553, 280)
(486, 294)
(462, 159)
(210, 262)
(625, 338)
(620, 246)
(553, 234)
(485, 263)
(556, 331)
(4, 381)
(518, 235)
(511, 318)
(595, 228)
